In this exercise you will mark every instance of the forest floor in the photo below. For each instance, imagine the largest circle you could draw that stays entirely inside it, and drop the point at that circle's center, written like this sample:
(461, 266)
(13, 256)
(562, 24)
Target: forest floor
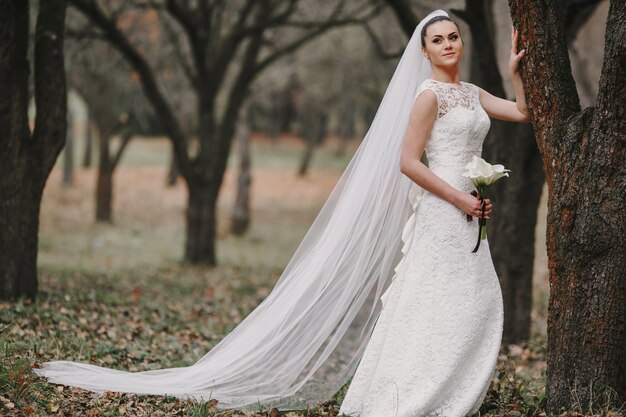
(118, 294)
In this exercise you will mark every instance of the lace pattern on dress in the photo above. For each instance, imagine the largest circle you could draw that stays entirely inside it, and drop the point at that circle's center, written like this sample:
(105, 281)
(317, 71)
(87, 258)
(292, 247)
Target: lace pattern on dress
(451, 95)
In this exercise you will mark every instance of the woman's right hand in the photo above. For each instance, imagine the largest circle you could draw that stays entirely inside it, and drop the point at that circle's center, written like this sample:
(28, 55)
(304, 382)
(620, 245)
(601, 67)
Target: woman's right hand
(472, 205)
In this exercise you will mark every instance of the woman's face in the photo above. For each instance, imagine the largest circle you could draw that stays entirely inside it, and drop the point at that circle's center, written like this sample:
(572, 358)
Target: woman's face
(443, 44)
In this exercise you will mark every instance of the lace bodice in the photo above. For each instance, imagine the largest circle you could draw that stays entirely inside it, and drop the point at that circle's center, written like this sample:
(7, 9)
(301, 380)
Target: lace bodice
(458, 132)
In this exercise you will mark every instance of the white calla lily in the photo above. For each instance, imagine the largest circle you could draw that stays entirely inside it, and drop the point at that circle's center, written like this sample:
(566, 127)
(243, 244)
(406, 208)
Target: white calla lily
(483, 174)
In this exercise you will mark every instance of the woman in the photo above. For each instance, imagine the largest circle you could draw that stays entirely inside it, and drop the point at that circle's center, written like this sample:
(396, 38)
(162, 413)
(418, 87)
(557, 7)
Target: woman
(304, 341)
(435, 346)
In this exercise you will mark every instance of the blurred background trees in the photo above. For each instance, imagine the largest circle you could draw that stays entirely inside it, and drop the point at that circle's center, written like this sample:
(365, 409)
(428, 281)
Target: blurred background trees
(218, 49)
(116, 107)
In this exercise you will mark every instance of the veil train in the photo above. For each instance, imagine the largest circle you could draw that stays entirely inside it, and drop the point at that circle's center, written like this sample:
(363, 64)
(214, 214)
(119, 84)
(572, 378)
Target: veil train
(303, 342)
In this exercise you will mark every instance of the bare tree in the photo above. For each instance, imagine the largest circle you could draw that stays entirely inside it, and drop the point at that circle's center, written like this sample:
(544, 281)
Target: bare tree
(583, 152)
(223, 47)
(108, 161)
(26, 157)
(115, 104)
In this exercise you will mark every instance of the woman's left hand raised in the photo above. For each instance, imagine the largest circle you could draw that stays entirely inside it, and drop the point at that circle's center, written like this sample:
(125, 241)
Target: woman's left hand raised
(515, 56)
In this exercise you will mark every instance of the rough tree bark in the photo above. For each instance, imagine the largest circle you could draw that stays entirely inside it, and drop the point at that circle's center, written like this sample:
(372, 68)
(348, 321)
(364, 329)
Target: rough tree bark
(241, 37)
(583, 154)
(26, 158)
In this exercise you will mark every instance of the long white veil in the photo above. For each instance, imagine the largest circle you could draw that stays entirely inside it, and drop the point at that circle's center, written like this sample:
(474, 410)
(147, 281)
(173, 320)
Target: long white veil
(304, 341)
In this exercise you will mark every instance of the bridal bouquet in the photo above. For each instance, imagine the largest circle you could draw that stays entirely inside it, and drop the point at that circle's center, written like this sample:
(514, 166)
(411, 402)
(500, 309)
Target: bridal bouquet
(483, 174)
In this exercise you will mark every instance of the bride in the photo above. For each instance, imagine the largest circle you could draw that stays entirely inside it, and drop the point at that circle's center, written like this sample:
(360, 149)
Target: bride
(427, 346)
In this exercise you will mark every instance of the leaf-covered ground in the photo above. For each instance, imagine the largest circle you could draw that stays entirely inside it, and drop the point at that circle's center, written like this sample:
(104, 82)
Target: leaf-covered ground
(118, 296)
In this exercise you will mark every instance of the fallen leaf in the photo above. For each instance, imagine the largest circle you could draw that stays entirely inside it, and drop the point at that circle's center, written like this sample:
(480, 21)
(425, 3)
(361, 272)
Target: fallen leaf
(136, 294)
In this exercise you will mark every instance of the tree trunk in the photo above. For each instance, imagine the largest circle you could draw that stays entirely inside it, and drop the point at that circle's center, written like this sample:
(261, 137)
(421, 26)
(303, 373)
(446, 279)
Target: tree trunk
(275, 117)
(104, 195)
(306, 156)
(19, 222)
(241, 213)
(25, 159)
(172, 173)
(346, 133)
(583, 154)
(314, 131)
(104, 182)
(88, 141)
(68, 156)
(106, 169)
(201, 223)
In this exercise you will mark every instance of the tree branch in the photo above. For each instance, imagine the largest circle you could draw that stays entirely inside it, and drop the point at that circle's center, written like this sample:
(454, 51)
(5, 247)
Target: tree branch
(83, 33)
(182, 15)
(224, 54)
(126, 137)
(331, 22)
(611, 101)
(380, 49)
(91, 10)
(405, 15)
(240, 31)
(187, 67)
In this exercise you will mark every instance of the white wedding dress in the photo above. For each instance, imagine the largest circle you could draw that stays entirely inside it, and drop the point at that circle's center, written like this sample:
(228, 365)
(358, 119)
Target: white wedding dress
(434, 348)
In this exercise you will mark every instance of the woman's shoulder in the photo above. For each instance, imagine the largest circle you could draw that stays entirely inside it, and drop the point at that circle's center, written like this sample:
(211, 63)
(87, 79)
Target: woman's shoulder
(428, 84)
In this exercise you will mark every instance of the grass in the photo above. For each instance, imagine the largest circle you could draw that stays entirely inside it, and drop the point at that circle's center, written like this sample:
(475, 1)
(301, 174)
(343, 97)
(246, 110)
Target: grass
(119, 296)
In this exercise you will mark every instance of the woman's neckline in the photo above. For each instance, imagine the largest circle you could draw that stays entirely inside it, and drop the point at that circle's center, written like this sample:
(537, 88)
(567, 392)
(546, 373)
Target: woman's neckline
(443, 82)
